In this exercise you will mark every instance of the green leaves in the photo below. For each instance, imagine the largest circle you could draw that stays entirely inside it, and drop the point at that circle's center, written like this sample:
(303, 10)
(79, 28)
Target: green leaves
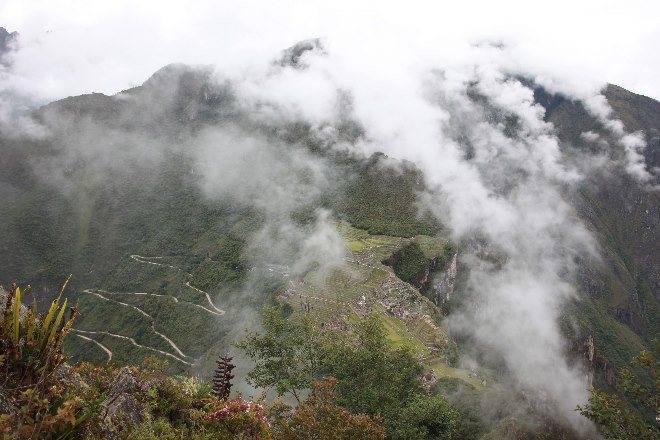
(32, 345)
(372, 376)
(426, 418)
(409, 263)
(286, 354)
(16, 316)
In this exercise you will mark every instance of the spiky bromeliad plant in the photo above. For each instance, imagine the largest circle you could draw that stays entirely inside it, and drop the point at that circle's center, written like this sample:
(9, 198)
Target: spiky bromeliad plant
(35, 403)
(31, 347)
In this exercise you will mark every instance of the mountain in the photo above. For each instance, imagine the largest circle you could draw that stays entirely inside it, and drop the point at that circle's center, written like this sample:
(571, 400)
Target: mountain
(623, 289)
(6, 38)
(181, 211)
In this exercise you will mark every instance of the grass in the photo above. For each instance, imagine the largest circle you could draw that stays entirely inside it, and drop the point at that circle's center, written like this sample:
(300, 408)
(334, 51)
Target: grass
(356, 246)
(443, 370)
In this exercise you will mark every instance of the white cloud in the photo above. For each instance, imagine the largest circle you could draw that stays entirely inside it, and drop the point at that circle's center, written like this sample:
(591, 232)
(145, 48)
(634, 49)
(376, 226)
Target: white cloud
(73, 47)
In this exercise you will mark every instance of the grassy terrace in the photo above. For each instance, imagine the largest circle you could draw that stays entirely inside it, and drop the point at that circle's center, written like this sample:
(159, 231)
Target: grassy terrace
(443, 370)
(431, 246)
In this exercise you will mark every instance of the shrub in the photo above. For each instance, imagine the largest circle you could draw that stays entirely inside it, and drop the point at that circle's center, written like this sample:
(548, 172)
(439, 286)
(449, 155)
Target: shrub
(32, 346)
(319, 417)
(196, 387)
(237, 419)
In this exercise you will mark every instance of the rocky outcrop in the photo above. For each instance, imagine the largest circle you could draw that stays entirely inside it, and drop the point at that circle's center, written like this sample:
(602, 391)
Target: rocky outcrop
(629, 314)
(7, 41)
(596, 369)
(121, 409)
(444, 287)
(3, 300)
(591, 278)
(292, 57)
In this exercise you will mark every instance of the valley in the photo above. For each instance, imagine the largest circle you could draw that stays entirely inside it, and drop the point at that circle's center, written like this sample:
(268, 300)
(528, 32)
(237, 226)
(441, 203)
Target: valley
(334, 297)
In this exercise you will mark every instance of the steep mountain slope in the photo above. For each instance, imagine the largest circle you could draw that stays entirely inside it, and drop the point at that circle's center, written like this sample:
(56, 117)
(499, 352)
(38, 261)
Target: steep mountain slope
(624, 214)
(181, 210)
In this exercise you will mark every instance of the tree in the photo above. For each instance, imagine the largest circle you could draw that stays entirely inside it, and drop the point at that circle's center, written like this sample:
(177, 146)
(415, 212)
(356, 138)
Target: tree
(617, 420)
(375, 378)
(372, 376)
(286, 354)
(426, 418)
(319, 417)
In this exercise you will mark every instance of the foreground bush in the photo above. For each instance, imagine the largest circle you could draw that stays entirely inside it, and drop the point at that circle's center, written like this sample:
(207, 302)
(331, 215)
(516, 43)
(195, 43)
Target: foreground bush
(319, 417)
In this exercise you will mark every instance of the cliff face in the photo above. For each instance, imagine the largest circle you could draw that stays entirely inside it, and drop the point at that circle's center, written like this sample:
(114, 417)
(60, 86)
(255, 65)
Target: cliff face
(596, 369)
(444, 287)
(414, 266)
(7, 39)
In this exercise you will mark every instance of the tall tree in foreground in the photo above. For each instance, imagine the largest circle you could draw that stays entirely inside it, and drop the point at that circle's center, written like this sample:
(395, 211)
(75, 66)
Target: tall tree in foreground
(286, 354)
(375, 378)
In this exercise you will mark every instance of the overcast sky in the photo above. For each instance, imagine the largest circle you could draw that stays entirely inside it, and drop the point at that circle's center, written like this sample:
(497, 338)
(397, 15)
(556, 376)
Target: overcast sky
(73, 47)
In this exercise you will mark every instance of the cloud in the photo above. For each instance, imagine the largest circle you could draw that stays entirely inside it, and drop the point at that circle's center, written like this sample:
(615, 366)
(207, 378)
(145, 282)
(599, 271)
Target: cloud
(497, 174)
(633, 144)
(73, 47)
(278, 179)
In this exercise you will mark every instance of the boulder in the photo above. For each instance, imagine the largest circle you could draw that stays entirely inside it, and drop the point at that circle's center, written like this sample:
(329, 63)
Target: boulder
(122, 409)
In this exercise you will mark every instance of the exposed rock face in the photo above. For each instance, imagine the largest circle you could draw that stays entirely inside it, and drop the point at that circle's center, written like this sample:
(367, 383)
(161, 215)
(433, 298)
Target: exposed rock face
(630, 315)
(6, 42)
(3, 300)
(445, 286)
(292, 56)
(596, 369)
(121, 409)
(591, 279)
(424, 283)
(427, 379)
(64, 374)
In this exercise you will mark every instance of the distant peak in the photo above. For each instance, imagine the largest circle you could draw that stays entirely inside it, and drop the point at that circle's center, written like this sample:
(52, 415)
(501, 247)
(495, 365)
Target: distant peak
(7, 41)
(292, 57)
